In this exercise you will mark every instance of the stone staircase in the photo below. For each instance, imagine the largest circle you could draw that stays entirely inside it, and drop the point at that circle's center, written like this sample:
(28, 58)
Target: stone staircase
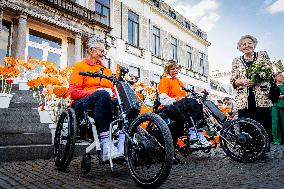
(22, 136)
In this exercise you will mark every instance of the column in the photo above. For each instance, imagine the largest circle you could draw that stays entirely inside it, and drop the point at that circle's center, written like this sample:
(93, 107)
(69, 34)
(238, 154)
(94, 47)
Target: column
(21, 37)
(1, 17)
(77, 49)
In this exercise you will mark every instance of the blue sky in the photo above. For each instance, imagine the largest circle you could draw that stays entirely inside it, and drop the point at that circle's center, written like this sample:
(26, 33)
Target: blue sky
(225, 21)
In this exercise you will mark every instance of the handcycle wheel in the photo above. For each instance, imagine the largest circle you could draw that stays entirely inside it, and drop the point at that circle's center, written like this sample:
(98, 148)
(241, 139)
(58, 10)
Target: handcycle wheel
(149, 157)
(65, 137)
(246, 145)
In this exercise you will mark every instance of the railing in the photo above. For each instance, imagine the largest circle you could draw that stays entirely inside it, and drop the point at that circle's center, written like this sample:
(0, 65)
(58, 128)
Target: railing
(78, 11)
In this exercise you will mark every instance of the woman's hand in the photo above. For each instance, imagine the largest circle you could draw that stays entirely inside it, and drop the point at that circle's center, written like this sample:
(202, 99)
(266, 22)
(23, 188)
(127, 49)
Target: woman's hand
(244, 82)
(178, 98)
(281, 96)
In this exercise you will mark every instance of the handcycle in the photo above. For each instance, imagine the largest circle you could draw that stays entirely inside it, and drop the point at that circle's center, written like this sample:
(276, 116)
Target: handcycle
(148, 143)
(242, 139)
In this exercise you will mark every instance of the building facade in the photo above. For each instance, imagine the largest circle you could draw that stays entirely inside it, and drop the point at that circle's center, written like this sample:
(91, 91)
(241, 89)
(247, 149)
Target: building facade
(141, 35)
(50, 30)
(147, 33)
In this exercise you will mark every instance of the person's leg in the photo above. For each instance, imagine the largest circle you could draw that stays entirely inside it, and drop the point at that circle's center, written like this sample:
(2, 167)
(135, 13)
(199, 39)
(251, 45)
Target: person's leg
(275, 125)
(101, 104)
(281, 124)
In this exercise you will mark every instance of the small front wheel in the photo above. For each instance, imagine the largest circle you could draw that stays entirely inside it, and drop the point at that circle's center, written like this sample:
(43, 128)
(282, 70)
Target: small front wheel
(150, 152)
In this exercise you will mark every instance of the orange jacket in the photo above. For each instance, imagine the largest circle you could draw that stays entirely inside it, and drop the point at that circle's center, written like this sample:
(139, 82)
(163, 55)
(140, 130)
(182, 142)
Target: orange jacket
(81, 86)
(172, 87)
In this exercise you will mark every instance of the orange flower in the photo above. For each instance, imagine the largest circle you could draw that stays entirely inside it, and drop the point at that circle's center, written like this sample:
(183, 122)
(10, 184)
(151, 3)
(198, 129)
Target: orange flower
(50, 69)
(10, 61)
(29, 66)
(61, 92)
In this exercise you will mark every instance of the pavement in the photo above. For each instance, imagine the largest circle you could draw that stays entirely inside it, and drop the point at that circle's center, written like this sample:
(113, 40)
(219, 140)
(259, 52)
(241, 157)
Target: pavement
(198, 170)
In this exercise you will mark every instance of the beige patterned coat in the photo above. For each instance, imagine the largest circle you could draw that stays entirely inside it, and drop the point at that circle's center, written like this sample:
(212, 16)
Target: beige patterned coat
(261, 90)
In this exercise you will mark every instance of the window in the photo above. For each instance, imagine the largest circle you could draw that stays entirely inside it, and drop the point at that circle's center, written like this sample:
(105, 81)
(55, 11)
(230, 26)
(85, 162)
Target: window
(43, 38)
(156, 41)
(107, 62)
(189, 57)
(44, 47)
(172, 14)
(102, 7)
(174, 48)
(156, 78)
(134, 71)
(187, 25)
(5, 40)
(156, 3)
(199, 33)
(133, 28)
(201, 63)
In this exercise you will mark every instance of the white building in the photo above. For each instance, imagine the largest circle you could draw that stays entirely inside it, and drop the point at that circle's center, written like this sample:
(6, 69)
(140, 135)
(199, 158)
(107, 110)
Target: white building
(142, 34)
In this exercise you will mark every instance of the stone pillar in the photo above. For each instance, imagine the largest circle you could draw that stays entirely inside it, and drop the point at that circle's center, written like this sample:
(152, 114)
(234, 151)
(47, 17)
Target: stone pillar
(77, 49)
(21, 37)
(1, 17)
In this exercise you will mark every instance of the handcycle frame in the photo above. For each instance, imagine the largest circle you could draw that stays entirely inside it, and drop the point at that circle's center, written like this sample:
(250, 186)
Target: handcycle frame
(216, 122)
(127, 118)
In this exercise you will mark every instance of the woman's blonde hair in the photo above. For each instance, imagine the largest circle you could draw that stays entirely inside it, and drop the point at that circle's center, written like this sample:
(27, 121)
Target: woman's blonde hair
(170, 64)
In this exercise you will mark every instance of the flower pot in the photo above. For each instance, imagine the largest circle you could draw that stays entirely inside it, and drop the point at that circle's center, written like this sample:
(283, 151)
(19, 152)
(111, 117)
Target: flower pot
(23, 85)
(5, 100)
(44, 116)
(52, 128)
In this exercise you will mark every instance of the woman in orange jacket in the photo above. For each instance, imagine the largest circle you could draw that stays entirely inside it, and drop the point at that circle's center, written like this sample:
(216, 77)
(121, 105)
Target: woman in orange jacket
(172, 98)
(96, 94)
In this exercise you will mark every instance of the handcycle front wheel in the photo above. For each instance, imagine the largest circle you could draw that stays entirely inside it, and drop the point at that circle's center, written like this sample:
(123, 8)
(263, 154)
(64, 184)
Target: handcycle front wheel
(150, 154)
(244, 140)
(65, 138)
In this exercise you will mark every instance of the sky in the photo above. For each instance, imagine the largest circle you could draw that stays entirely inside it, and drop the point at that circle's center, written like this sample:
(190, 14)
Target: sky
(225, 21)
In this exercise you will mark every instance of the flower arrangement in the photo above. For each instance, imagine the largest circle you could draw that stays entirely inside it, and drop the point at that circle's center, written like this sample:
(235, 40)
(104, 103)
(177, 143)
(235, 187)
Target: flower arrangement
(8, 73)
(50, 88)
(260, 72)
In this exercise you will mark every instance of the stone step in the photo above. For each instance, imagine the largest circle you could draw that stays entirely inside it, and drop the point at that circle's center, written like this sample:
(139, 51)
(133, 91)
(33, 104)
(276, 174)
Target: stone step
(17, 127)
(15, 115)
(13, 139)
(26, 152)
(32, 152)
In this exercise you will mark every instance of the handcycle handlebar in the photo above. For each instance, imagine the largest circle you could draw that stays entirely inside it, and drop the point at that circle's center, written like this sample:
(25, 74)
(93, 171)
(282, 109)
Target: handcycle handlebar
(98, 74)
(195, 94)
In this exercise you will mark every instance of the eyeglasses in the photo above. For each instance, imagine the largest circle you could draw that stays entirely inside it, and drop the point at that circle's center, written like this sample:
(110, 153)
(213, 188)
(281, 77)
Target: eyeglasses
(174, 68)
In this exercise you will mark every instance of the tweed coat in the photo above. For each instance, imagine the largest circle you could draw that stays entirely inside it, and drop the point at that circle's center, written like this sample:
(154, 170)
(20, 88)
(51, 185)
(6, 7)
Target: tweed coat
(261, 90)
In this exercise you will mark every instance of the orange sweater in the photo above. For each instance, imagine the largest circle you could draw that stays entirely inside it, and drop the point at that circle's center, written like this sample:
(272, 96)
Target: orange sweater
(81, 86)
(172, 87)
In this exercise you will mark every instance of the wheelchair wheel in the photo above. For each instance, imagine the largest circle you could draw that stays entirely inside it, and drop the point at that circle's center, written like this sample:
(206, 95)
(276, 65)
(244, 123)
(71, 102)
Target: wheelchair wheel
(64, 140)
(246, 144)
(150, 152)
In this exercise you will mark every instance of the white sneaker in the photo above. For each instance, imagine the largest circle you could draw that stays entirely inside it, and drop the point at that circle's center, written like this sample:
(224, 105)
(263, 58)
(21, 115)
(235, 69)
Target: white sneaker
(121, 141)
(115, 153)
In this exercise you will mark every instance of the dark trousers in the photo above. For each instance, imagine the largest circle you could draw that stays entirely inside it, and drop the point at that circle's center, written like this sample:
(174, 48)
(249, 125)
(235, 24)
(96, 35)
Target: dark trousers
(179, 113)
(101, 105)
(261, 115)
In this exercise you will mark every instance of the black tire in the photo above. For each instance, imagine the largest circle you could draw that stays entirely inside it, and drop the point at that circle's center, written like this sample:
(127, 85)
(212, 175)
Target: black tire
(64, 145)
(86, 164)
(153, 145)
(248, 146)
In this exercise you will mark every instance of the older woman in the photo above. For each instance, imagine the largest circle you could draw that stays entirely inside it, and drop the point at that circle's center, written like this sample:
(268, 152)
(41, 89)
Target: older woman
(278, 112)
(252, 98)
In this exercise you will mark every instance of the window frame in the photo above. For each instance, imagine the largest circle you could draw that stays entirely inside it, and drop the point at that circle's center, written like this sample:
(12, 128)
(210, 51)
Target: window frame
(9, 42)
(136, 23)
(156, 42)
(189, 54)
(174, 46)
(102, 8)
